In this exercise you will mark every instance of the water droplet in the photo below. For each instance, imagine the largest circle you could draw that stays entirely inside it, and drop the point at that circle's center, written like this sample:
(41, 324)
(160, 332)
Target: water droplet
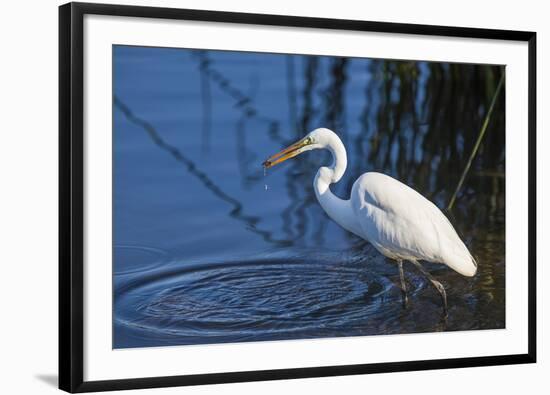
(265, 174)
(266, 187)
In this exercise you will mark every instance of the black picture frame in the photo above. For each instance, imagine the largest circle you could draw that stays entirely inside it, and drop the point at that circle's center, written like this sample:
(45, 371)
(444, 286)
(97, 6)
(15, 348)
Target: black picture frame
(71, 195)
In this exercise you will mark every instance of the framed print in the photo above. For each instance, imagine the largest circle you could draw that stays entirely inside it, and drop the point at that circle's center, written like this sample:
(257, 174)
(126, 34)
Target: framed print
(257, 197)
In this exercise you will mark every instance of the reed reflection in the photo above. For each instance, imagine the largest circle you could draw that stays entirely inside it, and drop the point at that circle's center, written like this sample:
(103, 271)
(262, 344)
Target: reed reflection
(418, 122)
(237, 207)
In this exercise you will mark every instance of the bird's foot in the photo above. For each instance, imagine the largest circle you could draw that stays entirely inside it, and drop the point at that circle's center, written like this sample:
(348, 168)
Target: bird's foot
(404, 299)
(445, 312)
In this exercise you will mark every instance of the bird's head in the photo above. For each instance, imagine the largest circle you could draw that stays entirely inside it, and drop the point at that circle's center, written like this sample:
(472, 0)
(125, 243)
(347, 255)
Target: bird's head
(317, 139)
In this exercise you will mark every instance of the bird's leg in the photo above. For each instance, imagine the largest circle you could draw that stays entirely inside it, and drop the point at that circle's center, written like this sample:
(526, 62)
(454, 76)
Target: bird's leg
(437, 285)
(403, 285)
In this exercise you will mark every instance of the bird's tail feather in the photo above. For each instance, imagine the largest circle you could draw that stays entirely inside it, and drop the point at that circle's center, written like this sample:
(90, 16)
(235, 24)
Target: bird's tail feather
(463, 263)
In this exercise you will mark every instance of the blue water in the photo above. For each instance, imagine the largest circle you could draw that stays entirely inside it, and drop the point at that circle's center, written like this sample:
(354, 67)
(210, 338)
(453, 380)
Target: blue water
(207, 248)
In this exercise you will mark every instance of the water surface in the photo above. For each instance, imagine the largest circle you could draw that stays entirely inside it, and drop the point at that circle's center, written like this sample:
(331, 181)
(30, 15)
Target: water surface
(204, 252)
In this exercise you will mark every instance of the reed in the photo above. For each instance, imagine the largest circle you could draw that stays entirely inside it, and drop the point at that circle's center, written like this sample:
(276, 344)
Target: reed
(477, 143)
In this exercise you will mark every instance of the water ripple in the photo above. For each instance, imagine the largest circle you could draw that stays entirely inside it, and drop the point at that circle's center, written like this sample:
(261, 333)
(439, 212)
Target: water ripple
(311, 294)
(274, 297)
(132, 259)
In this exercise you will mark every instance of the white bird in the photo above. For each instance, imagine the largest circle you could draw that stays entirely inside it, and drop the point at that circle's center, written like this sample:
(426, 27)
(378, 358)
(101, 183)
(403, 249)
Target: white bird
(398, 221)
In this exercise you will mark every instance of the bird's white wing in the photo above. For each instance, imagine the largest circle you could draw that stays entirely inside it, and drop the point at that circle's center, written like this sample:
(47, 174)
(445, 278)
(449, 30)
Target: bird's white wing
(402, 224)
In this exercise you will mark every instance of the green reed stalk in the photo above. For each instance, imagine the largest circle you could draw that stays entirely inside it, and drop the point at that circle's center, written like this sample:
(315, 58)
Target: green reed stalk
(478, 142)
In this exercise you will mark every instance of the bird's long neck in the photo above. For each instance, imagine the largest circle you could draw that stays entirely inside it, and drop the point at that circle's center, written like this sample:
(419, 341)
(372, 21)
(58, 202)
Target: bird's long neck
(339, 210)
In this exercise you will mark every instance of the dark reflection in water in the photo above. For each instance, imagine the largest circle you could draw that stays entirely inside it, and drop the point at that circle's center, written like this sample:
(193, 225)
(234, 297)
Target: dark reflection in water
(207, 249)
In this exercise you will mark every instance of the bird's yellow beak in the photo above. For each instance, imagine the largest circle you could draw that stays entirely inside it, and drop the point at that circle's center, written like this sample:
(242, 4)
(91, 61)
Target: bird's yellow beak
(287, 153)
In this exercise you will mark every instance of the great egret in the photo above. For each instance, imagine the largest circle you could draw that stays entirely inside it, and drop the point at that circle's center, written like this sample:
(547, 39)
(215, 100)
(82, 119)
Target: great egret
(398, 221)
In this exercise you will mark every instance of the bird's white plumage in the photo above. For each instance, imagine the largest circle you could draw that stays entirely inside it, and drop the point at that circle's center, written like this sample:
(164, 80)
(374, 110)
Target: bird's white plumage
(403, 224)
(397, 220)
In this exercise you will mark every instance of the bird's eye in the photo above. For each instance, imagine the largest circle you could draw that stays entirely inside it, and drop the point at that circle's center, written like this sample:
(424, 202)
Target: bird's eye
(309, 140)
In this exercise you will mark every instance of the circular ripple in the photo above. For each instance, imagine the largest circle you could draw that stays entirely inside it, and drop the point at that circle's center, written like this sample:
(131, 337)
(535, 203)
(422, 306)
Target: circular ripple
(131, 259)
(260, 299)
